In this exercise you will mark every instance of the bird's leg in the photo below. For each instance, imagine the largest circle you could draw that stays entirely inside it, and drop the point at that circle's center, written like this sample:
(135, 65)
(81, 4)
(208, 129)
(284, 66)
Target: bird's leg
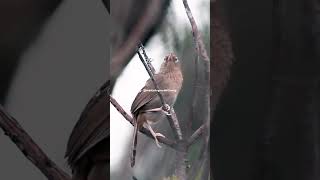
(154, 134)
(164, 109)
(154, 110)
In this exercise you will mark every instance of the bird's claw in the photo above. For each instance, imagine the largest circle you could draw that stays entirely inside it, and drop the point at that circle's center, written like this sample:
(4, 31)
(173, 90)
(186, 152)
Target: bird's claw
(160, 135)
(156, 139)
(167, 113)
(166, 108)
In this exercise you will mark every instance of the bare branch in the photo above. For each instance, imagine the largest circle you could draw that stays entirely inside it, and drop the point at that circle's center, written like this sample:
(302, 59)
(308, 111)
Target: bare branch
(143, 130)
(148, 60)
(29, 148)
(196, 135)
(200, 48)
(195, 93)
(196, 34)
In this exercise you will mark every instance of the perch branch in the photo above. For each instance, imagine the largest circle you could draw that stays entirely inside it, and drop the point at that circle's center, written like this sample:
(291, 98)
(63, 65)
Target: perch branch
(29, 148)
(172, 117)
(145, 131)
(148, 60)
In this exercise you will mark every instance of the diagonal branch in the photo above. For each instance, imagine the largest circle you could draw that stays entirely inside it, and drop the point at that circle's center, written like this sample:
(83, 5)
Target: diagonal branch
(150, 18)
(196, 135)
(29, 148)
(145, 131)
(147, 59)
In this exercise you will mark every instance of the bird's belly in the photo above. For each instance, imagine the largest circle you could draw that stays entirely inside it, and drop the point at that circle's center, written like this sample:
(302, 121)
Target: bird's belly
(154, 117)
(169, 98)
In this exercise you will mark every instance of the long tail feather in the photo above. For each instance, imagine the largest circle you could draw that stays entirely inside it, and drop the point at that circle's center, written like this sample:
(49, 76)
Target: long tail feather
(134, 144)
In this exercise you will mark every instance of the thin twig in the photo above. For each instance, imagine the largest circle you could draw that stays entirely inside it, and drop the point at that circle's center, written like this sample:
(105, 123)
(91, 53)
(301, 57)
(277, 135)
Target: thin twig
(196, 34)
(148, 60)
(145, 131)
(29, 148)
(173, 121)
(196, 135)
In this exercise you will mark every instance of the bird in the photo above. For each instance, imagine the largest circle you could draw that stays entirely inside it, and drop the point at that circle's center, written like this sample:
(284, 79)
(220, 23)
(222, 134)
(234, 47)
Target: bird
(89, 143)
(147, 106)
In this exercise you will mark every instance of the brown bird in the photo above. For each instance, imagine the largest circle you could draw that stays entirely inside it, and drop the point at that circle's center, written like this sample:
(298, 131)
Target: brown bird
(147, 107)
(88, 145)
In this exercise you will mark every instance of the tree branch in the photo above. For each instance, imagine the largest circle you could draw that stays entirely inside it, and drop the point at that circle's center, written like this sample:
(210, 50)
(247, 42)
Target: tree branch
(196, 135)
(29, 148)
(196, 34)
(201, 50)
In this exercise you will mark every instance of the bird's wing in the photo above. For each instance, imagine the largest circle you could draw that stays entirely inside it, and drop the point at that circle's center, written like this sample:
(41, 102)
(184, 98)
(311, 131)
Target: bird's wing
(143, 97)
(92, 127)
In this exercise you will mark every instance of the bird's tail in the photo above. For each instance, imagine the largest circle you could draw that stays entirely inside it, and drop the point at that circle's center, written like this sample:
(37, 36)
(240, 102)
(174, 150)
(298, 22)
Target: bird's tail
(134, 144)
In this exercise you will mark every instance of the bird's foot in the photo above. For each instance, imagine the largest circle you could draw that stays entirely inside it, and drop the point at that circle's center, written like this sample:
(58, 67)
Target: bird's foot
(156, 139)
(154, 134)
(166, 109)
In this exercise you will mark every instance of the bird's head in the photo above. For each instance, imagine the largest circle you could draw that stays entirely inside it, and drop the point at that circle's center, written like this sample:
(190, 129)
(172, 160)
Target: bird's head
(170, 63)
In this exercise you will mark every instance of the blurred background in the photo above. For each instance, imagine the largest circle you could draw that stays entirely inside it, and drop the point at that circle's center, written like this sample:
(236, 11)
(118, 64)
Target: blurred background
(53, 59)
(265, 123)
(171, 32)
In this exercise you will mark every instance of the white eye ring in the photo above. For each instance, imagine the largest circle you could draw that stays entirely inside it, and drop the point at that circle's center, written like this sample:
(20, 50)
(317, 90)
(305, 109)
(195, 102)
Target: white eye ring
(177, 60)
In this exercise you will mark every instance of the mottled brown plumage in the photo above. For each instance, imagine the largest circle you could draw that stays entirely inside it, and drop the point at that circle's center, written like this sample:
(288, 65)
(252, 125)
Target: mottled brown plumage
(88, 145)
(147, 107)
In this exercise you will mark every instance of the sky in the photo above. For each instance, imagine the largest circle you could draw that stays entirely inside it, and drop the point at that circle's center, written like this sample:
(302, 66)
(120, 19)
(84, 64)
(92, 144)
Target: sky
(120, 128)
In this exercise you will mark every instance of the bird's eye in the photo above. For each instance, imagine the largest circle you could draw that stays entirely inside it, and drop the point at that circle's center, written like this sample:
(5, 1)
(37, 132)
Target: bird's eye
(176, 61)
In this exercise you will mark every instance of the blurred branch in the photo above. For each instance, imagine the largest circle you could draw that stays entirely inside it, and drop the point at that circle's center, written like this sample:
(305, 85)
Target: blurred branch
(145, 131)
(201, 50)
(29, 148)
(196, 135)
(195, 91)
(144, 25)
(107, 4)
